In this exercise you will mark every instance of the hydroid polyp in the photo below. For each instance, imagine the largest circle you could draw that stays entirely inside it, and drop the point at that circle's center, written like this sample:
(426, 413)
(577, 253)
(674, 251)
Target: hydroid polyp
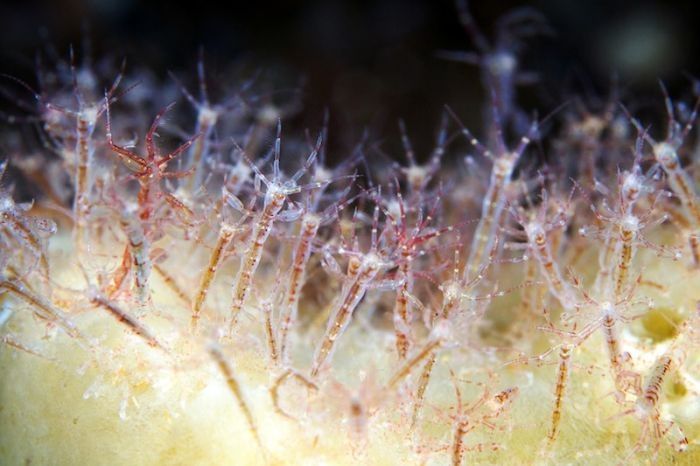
(217, 286)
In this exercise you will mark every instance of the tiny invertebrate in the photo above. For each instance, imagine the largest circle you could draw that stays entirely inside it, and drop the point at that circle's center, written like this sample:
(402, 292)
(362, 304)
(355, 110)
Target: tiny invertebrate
(564, 363)
(460, 307)
(235, 295)
(439, 336)
(666, 155)
(420, 176)
(563, 370)
(532, 299)
(646, 409)
(28, 231)
(123, 317)
(482, 411)
(504, 162)
(358, 418)
(171, 283)
(151, 169)
(594, 129)
(270, 331)
(310, 222)
(277, 192)
(42, 308)
(86, 121)
(139, 250)
(139, 256)
(207, 117)
(80, 157)
(459, 301)
(536, 227)
(609, 316)
(622, 230)
(12, 342)
(423, 382)
(629, 235)
(616, 257)
(407, 240)
(313, 218)
(227, 370)
(302, 251)
(227, 232)
(499, 62)
(363, 269)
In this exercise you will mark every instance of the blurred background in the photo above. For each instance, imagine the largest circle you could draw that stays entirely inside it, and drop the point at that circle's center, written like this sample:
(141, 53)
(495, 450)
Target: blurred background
(373, 62)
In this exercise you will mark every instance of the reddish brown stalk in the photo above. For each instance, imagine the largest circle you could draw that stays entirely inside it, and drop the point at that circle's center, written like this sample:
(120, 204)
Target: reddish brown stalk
(43, 308)
(123, 317)
(559, 389)
(225, 236)
(288, 313)
(171, 283)
(234, 386)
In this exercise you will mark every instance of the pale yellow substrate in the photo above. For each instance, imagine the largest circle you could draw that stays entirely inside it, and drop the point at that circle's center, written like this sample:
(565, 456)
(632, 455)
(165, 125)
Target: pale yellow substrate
(124, 403)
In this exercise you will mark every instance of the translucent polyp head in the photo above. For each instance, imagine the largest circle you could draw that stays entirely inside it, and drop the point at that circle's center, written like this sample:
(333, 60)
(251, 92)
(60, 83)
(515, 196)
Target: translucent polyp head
(666, 155)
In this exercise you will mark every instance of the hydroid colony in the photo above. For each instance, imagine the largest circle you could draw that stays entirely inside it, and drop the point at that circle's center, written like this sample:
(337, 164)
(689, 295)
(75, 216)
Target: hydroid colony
(219, 301)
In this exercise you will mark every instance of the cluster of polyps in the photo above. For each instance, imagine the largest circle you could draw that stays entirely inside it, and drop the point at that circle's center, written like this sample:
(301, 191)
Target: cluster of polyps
(276, 195)
(20, 228)
(646, 409)
(666, 154)
(133, 215)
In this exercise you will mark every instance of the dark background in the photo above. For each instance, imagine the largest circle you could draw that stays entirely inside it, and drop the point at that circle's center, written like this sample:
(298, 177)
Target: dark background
(372, 62)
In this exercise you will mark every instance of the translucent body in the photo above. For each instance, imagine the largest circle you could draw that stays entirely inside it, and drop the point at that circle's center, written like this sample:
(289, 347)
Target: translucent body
(494, 202)
(359, 276)
(225, 235)
(290, 305)
(127, 320)
(276, 194)
(647, 410)
(150, 170)
(559, 390)
(139, 251)
(251, 259)
(227, 370)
